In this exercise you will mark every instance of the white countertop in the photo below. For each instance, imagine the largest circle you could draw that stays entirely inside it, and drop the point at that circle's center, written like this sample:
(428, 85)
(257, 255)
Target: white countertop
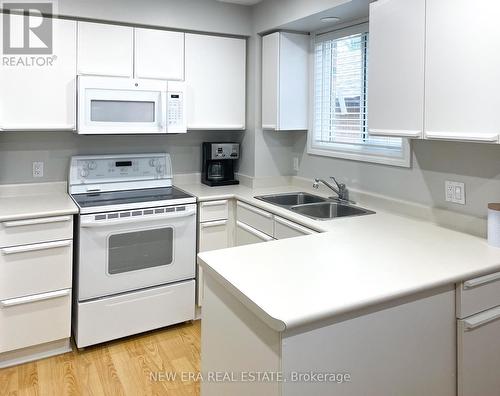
(357, 262)
(18, 202)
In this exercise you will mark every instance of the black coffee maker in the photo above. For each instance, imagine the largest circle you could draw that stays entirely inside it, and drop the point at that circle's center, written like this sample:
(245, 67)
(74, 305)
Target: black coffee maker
(218, 160)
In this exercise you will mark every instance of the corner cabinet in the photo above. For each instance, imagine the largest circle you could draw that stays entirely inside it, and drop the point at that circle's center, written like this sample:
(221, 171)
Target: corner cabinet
(42, 96)
(452, 41)
(396, 68)
(285, 81)
(216, 82)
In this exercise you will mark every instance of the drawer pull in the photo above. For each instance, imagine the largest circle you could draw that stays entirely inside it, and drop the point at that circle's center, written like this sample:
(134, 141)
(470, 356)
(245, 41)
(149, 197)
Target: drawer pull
(255, 210)
(253, 231)
(482, 318)
(31, 299)
(213, 224)
(35, 247)
(481, 280)
(46, 220)
(213, 203)
(294, 226)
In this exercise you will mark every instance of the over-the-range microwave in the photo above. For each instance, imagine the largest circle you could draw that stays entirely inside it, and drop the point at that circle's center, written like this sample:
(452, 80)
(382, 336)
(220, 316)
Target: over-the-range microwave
(115, 105)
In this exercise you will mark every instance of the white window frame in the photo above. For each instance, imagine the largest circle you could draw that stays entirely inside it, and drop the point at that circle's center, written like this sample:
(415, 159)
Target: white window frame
(344, 150)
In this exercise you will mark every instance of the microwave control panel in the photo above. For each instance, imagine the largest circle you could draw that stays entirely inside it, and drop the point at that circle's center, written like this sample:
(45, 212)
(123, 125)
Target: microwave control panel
(176, 115)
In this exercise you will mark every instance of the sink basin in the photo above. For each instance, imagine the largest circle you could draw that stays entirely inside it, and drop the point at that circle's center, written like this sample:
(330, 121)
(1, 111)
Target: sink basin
(292, 199)
(329, 210)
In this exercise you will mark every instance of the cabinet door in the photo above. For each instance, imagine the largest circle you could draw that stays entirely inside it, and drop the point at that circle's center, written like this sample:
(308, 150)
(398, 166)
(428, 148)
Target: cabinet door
(270, 80)
(213, 235)
(216, 79)
(462, 78)
(105, 50)
(479, 354)
(159, 54)
(42, 97)
(284, 229)
(396, 68)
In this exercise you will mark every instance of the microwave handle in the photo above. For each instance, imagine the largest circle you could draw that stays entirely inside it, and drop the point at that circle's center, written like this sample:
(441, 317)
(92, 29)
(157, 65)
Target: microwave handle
(139, 219)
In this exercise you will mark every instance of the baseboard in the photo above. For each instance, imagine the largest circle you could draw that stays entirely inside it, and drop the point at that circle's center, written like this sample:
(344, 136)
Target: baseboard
(37, 352)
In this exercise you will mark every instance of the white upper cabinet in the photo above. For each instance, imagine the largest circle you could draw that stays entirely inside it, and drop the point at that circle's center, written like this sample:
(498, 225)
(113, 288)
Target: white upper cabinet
(285, 81)
(105, 50)
(43, 96)
(159, 54)
(396, 68)
(216, 82)
(462, 70)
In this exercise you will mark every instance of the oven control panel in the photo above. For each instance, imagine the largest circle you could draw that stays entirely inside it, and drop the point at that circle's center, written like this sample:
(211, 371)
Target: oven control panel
(119, 169)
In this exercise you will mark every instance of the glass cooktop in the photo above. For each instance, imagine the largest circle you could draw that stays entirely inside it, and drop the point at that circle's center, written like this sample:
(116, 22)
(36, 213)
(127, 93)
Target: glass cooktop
(111, 198)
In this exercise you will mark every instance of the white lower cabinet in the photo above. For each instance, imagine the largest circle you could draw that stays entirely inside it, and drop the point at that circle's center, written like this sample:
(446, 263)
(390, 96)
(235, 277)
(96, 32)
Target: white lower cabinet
(213, 235)
(33, 320)
(479, 354)
(35, 288)
(478, 335)
(284, 229)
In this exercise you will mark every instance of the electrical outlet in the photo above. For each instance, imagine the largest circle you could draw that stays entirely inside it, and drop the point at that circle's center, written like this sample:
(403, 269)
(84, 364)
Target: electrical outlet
(37, 169)
(455, 192)
(296, 164)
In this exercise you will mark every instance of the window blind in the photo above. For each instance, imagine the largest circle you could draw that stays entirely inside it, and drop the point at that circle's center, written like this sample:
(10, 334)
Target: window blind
(340, 94)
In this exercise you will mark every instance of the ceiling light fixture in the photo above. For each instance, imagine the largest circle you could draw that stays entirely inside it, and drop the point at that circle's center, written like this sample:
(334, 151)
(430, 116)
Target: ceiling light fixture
(330, 19)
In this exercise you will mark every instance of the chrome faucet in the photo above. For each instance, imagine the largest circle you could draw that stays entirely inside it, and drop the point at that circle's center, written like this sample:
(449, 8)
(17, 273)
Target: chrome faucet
(340, 188)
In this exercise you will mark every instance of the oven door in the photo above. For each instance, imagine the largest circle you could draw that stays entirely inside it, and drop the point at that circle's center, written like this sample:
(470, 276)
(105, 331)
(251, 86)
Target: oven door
(132, 250)
(111, 105)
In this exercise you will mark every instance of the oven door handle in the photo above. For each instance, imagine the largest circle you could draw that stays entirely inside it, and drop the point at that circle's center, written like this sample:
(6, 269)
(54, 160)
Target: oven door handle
(91, 223)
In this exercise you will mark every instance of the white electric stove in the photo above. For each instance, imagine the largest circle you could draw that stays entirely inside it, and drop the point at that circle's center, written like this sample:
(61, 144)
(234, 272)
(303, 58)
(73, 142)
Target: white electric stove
(135, 247)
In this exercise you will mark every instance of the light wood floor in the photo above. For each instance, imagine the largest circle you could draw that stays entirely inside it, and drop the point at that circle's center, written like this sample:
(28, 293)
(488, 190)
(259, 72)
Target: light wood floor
(121, 367)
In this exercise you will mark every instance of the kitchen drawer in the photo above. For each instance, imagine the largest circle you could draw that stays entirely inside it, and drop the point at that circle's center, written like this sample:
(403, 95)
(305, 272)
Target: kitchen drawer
(214, 210)
(287, 229)
(255, 217)
(34, 320)
(44, 229)
(246, 235)
(479, 354)
(36, 268)
(132, 313)
(478, 294)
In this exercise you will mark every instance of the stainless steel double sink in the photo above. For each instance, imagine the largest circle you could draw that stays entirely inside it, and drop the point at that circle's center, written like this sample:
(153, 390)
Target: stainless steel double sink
(313, 206)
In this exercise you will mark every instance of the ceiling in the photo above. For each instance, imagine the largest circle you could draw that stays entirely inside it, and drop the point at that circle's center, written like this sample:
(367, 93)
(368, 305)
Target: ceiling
(242, 2)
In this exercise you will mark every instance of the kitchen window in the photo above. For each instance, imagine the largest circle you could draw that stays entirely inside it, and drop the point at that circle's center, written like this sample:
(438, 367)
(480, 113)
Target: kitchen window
(341, 114)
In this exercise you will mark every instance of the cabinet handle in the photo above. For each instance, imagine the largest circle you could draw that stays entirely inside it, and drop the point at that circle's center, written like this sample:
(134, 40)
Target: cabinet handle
(35, 247)
(477, 137)
(213, 203)
(253, 231)
(31, 299)
(395, 132)
(294, 226)
(45, 220)
(213, 224)
(481, 280)
(255, 210)
(482, 318)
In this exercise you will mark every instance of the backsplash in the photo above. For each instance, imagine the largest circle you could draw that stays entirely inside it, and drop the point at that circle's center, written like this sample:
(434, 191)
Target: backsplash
(18, 150)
